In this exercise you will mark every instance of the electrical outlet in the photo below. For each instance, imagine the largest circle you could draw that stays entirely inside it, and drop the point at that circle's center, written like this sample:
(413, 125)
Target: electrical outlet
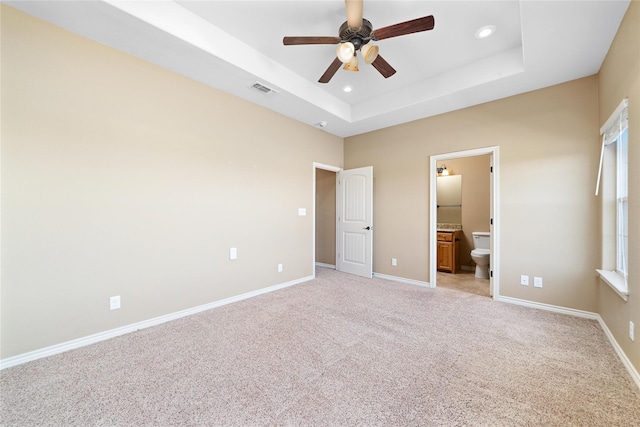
(114, 303)
(394, 262)
(524, 280)
(537, 282)
(632, 331)
(279, 268)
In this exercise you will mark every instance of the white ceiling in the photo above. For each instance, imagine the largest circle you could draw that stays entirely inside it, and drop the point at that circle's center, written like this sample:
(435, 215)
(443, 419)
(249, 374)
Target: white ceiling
(231, 45)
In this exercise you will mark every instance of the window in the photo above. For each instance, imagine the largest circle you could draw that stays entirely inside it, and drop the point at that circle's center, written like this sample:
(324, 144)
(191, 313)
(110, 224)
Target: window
(622, 203)
(615, 177)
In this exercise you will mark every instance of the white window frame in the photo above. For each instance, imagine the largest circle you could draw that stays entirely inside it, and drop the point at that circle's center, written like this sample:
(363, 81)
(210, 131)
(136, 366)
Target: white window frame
(615, 177)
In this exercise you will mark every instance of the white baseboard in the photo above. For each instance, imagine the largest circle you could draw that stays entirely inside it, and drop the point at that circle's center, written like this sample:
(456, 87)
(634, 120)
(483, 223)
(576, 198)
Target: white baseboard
(403, 280)
(548, 307)
(102, 336)
(621, 354)
(322, 264)
(588, 315)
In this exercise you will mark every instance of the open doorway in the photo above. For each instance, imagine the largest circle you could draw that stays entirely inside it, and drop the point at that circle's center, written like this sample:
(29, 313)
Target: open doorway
(482, 221)
(324, 214)
(343, 219)
(325, 219)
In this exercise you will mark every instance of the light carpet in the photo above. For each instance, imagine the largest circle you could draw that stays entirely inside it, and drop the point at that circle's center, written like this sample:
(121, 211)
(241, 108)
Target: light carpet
(338, 350)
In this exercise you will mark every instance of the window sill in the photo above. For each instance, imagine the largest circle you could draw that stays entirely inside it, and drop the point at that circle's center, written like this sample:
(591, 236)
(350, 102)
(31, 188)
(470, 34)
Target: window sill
(616, 281)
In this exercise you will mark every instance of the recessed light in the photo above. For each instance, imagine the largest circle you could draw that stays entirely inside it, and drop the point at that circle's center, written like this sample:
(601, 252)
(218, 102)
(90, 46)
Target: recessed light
(485, 31)
(347, 88)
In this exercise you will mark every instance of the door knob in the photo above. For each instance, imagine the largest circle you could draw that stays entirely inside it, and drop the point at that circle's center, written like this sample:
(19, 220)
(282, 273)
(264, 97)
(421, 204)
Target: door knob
(366, 228)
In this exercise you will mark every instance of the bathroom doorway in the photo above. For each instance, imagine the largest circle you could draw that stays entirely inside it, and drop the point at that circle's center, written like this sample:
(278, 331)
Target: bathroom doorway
(475, 162)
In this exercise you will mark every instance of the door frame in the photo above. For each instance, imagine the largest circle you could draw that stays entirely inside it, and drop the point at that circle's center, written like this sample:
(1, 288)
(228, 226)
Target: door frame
(494, 207)
(329, 168)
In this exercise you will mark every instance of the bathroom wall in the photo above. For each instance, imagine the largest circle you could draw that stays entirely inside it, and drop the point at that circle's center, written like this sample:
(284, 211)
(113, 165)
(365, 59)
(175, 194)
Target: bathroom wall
(475, 199)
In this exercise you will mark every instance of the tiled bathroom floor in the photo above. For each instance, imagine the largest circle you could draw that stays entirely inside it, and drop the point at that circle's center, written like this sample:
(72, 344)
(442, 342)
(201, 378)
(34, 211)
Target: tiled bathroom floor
(464, 281)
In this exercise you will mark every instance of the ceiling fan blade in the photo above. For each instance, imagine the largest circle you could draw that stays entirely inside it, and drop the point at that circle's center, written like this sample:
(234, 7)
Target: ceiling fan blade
(333, 68)
(354, 13)
(408, 27)
(383, 67)
(288, 41)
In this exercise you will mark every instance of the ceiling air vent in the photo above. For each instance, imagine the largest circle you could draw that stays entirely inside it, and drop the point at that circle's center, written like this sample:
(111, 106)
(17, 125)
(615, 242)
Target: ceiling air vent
(265, 90)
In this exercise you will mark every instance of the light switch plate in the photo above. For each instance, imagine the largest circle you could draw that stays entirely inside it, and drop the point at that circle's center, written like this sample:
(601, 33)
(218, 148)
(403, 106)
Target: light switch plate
(114, 303)
(537, 282)
(233, 253)
(302, 211)
(524, 280)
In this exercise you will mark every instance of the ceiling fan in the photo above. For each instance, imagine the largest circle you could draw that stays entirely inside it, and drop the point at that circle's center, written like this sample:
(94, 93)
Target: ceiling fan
(355, 34)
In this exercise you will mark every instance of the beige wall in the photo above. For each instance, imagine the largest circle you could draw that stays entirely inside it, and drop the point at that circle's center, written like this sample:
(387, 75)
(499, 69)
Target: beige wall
(549, 152)
(476, 198)
(325, 217)
(619, 78)
(121, 178)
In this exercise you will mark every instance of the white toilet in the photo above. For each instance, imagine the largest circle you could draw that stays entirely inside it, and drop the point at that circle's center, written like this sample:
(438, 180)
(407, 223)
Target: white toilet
(480, 253)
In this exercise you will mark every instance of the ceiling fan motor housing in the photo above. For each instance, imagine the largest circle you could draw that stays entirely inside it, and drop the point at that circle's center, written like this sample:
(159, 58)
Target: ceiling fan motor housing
(357, 36)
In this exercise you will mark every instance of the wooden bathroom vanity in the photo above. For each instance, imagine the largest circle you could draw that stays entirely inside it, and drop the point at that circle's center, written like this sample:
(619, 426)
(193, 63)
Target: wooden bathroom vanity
(449, 250)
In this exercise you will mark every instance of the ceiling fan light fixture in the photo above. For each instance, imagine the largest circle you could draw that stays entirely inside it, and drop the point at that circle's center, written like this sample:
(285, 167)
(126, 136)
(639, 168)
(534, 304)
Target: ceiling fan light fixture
(345, 52)
(352, 65)
(369, 53)
(354, 34)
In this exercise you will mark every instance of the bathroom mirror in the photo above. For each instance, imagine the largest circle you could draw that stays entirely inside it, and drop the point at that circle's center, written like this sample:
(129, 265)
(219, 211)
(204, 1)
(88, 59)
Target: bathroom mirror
(449, 199)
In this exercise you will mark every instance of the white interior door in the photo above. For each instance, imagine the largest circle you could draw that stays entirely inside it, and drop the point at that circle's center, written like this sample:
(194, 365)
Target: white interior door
(354, 243)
